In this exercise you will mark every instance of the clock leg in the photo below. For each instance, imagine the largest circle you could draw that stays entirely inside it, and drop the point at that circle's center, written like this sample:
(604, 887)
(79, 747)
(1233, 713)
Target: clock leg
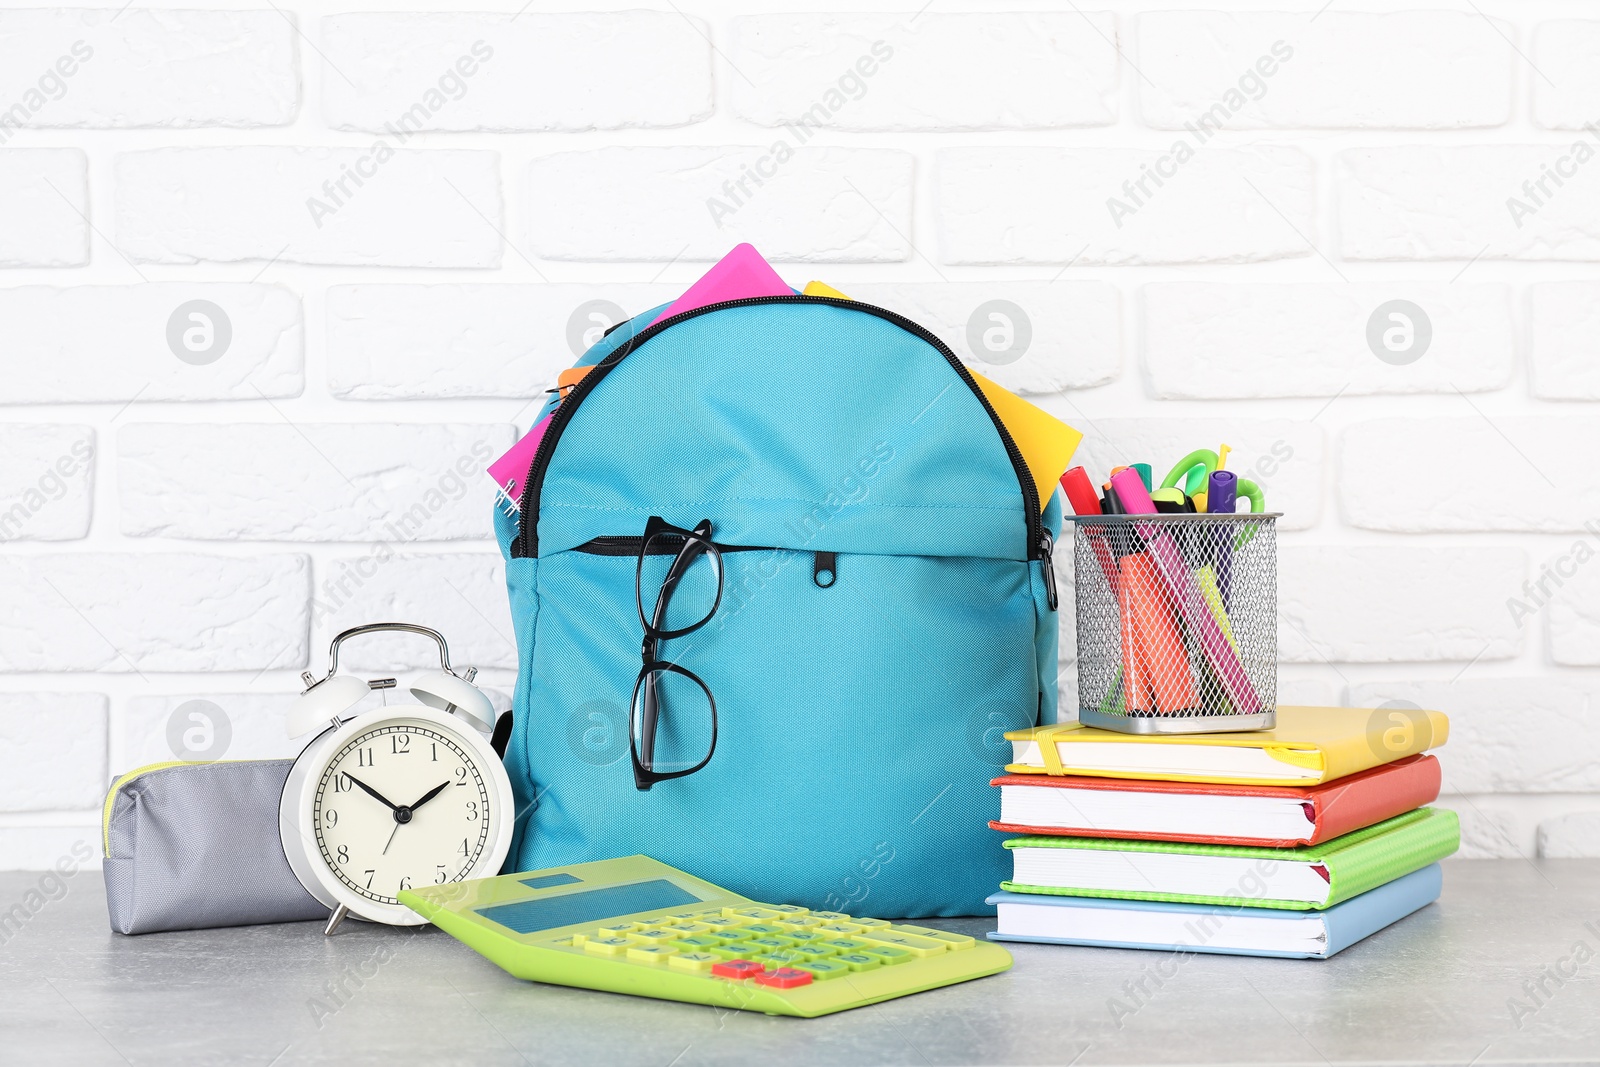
(334, 920)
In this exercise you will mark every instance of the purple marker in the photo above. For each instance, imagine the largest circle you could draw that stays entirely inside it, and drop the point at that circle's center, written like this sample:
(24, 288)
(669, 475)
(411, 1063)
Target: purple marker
(1222, 496)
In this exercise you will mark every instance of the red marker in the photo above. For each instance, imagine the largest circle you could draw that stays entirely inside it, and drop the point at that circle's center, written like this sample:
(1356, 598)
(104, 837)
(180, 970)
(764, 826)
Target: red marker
(1081, 496)
(1080, 492)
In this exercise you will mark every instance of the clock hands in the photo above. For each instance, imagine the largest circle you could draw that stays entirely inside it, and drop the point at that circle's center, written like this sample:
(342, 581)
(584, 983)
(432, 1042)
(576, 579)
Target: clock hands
(405, 812)
(371, 791)
(429, 795)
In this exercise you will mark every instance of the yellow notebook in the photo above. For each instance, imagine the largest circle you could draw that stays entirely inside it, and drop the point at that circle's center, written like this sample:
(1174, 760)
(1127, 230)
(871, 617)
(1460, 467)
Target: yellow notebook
(1309, 746)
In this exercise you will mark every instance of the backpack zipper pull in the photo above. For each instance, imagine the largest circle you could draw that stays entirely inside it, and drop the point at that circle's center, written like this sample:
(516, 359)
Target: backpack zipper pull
(824, 569)
(1047, 546)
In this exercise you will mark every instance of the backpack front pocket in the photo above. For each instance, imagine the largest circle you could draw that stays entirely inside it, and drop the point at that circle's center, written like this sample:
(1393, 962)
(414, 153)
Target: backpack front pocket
(896, 671)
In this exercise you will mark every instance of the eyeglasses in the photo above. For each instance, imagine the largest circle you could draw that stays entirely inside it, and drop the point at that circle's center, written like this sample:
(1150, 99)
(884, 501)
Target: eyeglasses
(695, 563)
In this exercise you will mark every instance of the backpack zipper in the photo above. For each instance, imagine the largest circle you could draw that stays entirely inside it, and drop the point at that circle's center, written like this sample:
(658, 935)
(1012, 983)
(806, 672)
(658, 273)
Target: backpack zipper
(526, 542)
(824, 565)
(617, 545)
(1047, 554)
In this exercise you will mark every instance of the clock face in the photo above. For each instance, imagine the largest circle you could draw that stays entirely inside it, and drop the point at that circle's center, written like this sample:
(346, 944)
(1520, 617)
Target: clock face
(400, 806)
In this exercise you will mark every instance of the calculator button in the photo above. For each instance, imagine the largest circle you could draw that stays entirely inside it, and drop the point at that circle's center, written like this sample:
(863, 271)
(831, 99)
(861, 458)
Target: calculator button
(847, 944)
(697, 943)
(736, 969)
(799, 922)
(722, 933)
(817, 949)
(746, 911)
(578, 939)
(868, 924)
(916, 946)
(730, 952)
(837, 929)
(769, 944)
(762, 929)
(789, 909)
(617, 929)
(788, 956)
(650, 953)
(685, 927)
(723, 922)
(784, 978)
(889, 954)
(606, 946)
(646, 924)
(805, 937)
(824, 970)
(831, 916)
(857, 961)
(692, 962)
(655, 936)
(951, 941)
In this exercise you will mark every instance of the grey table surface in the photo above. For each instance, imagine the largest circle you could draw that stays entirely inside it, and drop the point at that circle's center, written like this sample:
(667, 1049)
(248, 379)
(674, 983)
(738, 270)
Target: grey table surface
(1505, 968)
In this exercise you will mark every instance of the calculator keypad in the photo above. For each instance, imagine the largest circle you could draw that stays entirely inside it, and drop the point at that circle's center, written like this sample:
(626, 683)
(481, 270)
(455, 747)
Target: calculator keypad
(778, 946)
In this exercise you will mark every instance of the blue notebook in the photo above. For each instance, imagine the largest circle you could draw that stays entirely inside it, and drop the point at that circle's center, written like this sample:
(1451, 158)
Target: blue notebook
(1111, 923)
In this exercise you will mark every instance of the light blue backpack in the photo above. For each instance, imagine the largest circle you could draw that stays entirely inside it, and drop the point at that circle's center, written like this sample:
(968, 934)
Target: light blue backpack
(886, 610)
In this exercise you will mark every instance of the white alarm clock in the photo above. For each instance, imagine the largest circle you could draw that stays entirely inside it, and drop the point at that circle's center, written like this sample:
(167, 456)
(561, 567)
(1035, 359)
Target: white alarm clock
(398, 797)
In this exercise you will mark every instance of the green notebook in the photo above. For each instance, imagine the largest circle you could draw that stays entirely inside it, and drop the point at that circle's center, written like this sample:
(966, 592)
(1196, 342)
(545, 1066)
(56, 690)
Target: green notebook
(1313, 876)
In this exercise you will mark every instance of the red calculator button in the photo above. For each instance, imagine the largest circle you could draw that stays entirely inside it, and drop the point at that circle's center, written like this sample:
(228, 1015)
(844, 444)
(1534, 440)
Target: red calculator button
(737, 969)
(784, 978)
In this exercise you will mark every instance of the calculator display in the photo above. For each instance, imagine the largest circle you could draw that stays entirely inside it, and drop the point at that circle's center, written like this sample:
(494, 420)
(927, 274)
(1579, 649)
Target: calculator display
(531, 916)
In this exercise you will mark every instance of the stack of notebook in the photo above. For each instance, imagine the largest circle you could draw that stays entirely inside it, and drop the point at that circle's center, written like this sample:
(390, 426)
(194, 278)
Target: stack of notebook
(1297, 841)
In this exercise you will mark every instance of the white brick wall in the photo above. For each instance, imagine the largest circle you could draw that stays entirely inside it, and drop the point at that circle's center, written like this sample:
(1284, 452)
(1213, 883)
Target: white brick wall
(52, 751)
(165, 611)
(100, 69)
(1563, 339)
(1217, 340)
(795, 201)
(43, 200)
(1123, 206)
(996, 70)
(46, 482)
(1545, 457)
(386, 482)
(58, 340)
(372, 206)
(1500, 201)
(1276, 70)
(413, 342)
(271, 278)
(528, 71)
(1564, 49)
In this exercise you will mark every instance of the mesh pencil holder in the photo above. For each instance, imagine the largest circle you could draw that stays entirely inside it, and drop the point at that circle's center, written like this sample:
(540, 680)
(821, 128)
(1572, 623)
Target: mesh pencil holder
(1177, 622)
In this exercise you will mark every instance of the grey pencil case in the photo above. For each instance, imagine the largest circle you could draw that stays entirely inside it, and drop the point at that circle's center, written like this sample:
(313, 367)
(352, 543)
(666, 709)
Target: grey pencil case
(195, 845)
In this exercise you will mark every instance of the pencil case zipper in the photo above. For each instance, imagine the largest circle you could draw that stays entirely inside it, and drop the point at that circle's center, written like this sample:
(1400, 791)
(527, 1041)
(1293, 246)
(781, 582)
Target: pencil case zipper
(116, 787)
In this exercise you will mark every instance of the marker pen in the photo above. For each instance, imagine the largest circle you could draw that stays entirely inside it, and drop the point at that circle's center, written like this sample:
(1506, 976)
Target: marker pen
(1185, 595)
(1222, 498)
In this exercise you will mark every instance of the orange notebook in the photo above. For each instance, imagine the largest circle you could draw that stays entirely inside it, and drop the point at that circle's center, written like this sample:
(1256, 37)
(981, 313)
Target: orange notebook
(1262, 815)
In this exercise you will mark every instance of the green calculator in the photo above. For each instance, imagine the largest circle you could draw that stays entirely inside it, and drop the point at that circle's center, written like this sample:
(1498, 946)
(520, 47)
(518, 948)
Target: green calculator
(637, 926)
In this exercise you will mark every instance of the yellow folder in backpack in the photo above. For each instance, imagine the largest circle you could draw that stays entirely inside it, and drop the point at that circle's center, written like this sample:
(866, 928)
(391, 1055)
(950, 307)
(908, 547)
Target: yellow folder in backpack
(1308, 747)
